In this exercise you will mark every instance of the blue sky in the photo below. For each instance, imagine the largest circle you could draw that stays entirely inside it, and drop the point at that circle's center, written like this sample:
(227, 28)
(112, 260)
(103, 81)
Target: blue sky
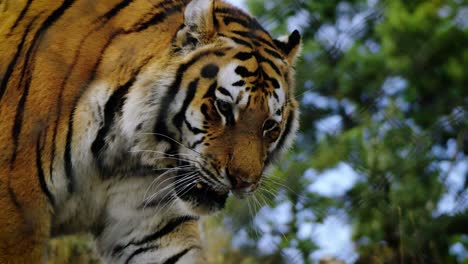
(238, 3)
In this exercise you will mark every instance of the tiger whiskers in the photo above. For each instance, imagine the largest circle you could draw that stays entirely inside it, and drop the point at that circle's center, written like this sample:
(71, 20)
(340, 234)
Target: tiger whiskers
(170, 138)
(301, 198)
(169, 186)
(167, 156)
(170, 170)
(179, 143)
(252, 214)
(169, 202)
(174, 196)
(264, 190)
(281, 185)
(160, 152)
(261, 194)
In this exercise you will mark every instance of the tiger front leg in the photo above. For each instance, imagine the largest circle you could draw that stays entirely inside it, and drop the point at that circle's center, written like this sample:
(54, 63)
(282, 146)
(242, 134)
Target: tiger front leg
(136, 232)
(172, 240)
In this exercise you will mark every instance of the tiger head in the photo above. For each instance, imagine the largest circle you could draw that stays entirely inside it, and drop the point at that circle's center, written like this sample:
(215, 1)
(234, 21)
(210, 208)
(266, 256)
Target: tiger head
(230, 110)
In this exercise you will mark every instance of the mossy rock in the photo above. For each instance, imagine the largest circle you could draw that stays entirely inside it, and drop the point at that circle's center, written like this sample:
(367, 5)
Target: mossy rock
(72, 250)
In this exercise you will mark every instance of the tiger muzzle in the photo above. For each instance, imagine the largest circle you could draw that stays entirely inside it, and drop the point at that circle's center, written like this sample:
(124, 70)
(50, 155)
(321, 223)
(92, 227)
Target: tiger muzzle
(243, 182)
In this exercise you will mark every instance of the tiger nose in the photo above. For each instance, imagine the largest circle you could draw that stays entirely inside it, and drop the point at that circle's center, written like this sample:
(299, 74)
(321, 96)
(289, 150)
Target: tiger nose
(241, 180)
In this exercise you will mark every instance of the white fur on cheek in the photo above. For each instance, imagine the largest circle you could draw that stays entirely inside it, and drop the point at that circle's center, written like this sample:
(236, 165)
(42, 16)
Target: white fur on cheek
(275, 105)
(226, 77)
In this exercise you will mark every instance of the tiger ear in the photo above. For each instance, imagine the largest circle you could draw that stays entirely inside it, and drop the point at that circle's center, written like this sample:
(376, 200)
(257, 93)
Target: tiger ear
(199, 23)
(290, 45)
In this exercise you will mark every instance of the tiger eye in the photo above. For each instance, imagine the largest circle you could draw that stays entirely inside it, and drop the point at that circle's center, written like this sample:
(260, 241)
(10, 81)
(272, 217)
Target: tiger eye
(269, 124)
(223, 106)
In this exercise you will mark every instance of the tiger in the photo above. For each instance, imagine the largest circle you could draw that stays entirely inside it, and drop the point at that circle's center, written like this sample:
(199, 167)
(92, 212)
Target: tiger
(132, 119)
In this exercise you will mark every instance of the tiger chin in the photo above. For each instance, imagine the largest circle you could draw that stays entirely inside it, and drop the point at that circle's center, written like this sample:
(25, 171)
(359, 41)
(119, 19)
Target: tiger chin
(129, 119)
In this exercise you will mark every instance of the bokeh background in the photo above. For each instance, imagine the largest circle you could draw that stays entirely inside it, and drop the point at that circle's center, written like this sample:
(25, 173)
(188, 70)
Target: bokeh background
(379, 173)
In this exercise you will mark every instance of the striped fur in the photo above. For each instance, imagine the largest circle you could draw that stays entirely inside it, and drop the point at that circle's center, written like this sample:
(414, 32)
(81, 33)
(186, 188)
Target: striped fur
(131, 118)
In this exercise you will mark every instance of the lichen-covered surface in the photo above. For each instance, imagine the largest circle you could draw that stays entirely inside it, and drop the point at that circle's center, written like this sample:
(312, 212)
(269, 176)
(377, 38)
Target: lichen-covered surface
(72, 250)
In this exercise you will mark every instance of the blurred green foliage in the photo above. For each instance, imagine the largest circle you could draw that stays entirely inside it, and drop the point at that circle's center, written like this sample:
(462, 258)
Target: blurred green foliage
(384, 89)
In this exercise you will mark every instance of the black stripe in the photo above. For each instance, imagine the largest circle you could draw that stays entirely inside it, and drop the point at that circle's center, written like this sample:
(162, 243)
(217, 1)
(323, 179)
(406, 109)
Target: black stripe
(244, 23)
(273, 53)
(9, 71)
(161, 16)
(275, 83)
(244, 72)
(140, 251)
(194, 130)
(232, 12)
(17, 125)
(249, 100)
(40, 172)
(287, 130)
(210, 93)
(16, 131)
(253, 36)
(21, 15)
(265, 42)
(13, 196)
(177, 256)
(241, 42)
(237, 16)
(239, 83)
(215, 20)
(225, 92)
(219, 53)
(168, 7)
(275, 96)
(115, 10)
(180, 116)
(196, 143)
(67, 155)
(170, 226)
(112, 107)
(204, 110)
(260, 58)
(243, 56)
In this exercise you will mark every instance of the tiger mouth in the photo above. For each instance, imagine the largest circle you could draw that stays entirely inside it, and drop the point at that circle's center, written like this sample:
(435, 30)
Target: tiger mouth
(199, 193)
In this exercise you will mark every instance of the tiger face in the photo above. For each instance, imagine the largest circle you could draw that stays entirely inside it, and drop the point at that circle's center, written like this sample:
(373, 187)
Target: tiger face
(234, 109)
